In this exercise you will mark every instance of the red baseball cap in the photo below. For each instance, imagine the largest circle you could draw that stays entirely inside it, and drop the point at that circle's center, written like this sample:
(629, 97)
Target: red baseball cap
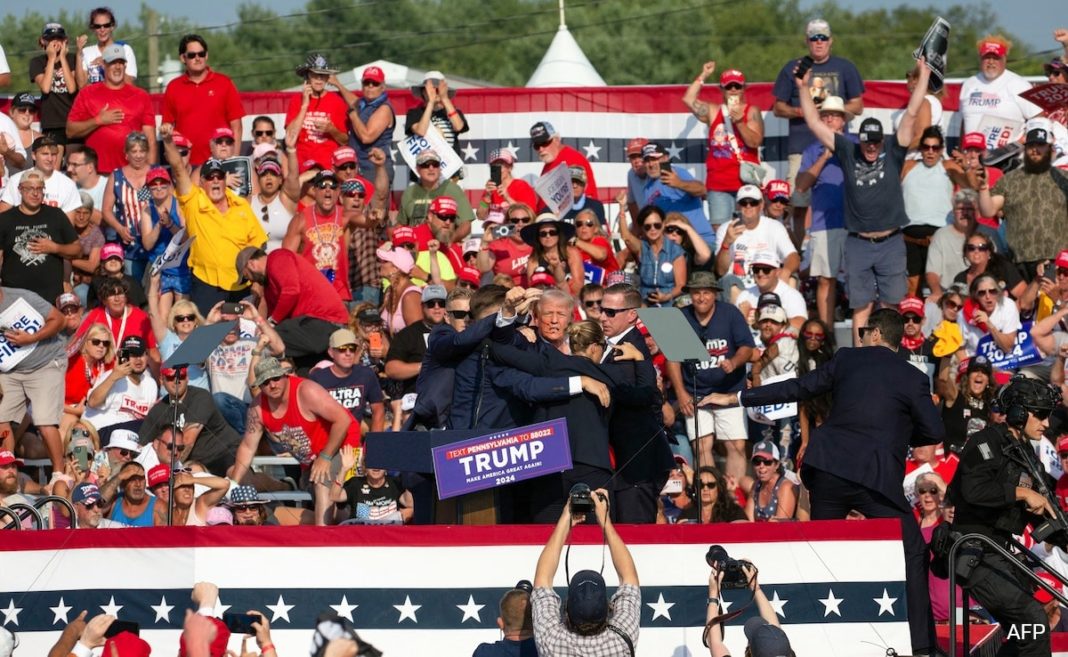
(444, 206)
(404, 235)
(374, 74)
(222, 133)
(1062, 259)
(127, 644)
(343, 155)
(731, 75)
(992, 48)
(1062, 443)
(634, 146)
(157, 173)
(911, 305)
(542, 278)
(973, 140)
(777, 189)
(471, 275)
(159, 474)
(181, 140)
(7, 458)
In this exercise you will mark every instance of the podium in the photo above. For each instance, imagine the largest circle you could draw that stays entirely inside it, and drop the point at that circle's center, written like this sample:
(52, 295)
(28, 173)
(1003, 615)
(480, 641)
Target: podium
(410, 451)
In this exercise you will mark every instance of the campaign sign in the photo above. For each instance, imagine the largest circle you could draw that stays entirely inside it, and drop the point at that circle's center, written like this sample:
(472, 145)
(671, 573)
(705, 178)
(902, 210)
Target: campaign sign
(998, 131)
(593, 273)
(242, 166)
(933, 48)
(772, 413)
(1024, 352)
(501, 458)
(1050, 97)
(555, 189)
(20, 316)
(413, 145)
(174, 255)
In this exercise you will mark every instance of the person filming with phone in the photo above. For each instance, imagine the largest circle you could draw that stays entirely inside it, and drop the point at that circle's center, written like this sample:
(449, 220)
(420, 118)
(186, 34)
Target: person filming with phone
(590, 623)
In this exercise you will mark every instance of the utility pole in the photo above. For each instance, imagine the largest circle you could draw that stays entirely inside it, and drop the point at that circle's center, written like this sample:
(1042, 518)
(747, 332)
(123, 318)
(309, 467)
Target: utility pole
(152, 28)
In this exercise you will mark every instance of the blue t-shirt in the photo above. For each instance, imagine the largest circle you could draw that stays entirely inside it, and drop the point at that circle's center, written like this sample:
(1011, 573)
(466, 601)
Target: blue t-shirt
(834, 77)
(198, 377)
(507, 648)
(672, 199)
(828, 200)
(354, 391)
(146, 519)
(725, 333)
(636, 187)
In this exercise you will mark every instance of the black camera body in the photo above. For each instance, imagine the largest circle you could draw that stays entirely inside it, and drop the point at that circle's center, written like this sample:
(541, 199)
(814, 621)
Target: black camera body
(734, 576)
(581, 499)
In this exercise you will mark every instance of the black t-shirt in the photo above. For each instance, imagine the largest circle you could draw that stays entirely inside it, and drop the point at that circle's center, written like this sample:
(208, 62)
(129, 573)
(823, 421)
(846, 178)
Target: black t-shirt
(39, 272)
(55, 106)
(507, 648)
(873, 200)
(439, 118)
(354, 391)
(408, 346)
(217, 438)
(373, 504)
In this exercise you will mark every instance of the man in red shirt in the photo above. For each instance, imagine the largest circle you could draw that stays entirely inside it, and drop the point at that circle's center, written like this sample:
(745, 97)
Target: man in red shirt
(304, 306)
(103, 114)
(201, 100)
(317, 117)
(545, 141)
(319, 233)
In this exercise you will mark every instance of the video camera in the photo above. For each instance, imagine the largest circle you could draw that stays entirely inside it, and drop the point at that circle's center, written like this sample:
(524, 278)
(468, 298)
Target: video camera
(734, 576)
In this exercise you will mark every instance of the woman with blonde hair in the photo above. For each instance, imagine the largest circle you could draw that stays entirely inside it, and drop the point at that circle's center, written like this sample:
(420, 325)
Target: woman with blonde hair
(93, 356)
(182, 318)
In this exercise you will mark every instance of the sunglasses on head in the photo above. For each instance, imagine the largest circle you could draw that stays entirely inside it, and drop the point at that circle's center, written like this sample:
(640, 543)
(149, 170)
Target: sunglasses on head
(760, 460)
(551, 232)
(748, 202)
(459, 314)
(652, 226)
(815, 337)
(612, 312)
(435, 303)
(913, 319)
(927, 491)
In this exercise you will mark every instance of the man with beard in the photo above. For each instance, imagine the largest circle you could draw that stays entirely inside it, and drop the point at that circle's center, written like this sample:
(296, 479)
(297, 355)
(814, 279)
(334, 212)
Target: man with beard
(318, 232)
(9, 480)
(133, 506)
(415, 202)
(88, 508)
(438, 262)
(1034, 202)
(546, 143)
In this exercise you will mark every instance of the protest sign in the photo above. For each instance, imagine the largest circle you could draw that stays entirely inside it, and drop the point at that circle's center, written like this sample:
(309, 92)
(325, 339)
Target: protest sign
(174, 254)
(501, 458)
(933, 48)
(555, 189)
(771, 413)
(242, 167)
(413, 145)
(1023, 353)
(1050, 97)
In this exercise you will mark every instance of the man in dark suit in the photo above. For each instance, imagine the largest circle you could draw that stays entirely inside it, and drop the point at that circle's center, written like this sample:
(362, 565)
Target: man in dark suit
(637, 431)
(880, 404)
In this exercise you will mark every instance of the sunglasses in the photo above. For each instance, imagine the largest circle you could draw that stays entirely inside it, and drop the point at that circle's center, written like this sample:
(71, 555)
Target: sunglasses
(244, 507)
(372, 83)
(592, 303)
(273, 379)
(587, 223)
(783, 200)
(653, 226)
(225, 141)
(467, 285)
(435, 303)
(71, 310)
(459, 314)
(951, 305)
(1042, 413)
(97, 342)
(819, 37)
(612, 312)
(913, 319)
(762, 461)
(326, 184)
(263, 133)
(182, 470)
(429, 165)
(927, 491)
(552, 232)
(522, 219)
(183, 152)
(348, 166)
(124, 453)
(185, 318)
(748, 203)
(761, 269)
(987, 292)
(195, 54)
(89, 506)
(930, 147)
(101, 26)
(733, 86)
(448, 218)
(673, 230)
(707, 484)
(216, 175)
(353, 194)
(539, 147)
(180, 375)
(815, 337)
(977, 247)
(347, 348)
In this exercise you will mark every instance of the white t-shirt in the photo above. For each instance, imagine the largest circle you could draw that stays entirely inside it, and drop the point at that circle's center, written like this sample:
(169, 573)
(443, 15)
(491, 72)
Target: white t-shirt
(9, 132)
(278, 218)
(126, 401)
(60, 192)
(97, 192)
(96, 73)
(769, 236)
(793, 302)
(997, 99)
(1005, 318)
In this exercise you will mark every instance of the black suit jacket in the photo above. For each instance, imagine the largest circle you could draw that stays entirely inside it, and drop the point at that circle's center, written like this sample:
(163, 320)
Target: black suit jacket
(880, 404)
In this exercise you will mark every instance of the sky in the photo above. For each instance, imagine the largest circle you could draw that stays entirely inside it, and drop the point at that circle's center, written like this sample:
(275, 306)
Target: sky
(1032, 20)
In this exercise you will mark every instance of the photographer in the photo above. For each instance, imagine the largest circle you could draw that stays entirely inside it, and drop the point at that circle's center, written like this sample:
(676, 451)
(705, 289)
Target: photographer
(592, 624)
(995, 495)
(765, 637)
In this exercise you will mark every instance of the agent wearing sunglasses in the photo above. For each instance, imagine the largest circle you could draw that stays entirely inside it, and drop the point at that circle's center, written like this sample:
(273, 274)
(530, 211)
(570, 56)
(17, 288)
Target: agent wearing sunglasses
(201, 100)
(102, 22)
(735, 133)
(222, 222)
(989, 463)
(353, 385)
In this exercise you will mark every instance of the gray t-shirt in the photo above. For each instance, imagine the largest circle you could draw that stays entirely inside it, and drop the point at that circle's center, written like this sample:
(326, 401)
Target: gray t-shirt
(873, 200)
(45, 351)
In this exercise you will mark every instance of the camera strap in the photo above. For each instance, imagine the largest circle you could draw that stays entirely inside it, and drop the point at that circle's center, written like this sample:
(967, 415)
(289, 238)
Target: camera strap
(623, 635)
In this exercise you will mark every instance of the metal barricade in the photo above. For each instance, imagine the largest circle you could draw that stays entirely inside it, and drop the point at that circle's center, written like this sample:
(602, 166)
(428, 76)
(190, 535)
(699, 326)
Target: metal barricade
(16, 523)
(23, 510)
(41, 501)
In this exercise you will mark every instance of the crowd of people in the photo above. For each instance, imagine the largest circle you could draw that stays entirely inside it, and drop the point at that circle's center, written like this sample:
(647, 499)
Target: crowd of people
(348, 309)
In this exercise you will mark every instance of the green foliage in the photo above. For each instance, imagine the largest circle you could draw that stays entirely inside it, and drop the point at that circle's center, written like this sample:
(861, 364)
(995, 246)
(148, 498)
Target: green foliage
(628, 41)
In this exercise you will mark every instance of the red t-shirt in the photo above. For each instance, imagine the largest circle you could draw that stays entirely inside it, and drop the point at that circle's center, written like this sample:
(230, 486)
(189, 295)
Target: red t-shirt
(109, 141)
(1061, 491)
(295, 288)
(511, 258)
(423, 235)
(312, 144)
(573, 158)
(609, 263)
(326, 247)
(136, 322)
(79, 380)
(197, 108)
(520, 191)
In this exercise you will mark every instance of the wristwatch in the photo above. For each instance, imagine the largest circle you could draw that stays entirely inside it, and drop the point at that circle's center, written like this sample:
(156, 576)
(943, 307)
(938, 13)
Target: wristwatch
(713, 601)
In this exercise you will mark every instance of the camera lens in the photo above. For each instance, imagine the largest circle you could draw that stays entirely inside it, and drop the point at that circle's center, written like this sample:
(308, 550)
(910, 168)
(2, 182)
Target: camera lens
(716, 555)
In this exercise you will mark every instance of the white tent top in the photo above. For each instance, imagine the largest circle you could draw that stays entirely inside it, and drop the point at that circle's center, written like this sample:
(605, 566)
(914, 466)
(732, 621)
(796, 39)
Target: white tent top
(565, 65)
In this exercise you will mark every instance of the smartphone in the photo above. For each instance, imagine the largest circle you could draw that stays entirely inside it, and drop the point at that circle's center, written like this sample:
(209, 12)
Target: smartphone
(123, 355)
(143, 195)
(495, 174)
(100, 459)
(81, 455)
(119, 626)
(665, 167)
(241, 623)
(804, 66)
(231, 309)
(374, 340)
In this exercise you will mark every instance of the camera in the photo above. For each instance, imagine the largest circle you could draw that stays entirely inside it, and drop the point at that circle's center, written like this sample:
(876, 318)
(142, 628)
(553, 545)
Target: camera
(581, 499)
(734, 576)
